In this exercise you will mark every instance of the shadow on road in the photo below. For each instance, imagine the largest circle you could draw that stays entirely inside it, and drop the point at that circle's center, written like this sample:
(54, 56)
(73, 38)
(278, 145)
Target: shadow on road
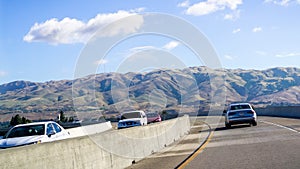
(232, 127)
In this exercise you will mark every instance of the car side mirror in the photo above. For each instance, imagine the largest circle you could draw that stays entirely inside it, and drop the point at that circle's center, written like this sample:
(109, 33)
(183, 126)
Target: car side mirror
(51, 133)
(224, 112)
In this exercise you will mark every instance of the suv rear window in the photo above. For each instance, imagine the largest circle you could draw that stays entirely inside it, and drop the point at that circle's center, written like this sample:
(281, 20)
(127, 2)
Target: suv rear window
(238, 107)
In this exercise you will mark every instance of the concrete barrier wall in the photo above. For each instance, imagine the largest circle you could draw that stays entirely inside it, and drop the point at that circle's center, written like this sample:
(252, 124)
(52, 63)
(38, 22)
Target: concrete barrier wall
(275, 111)
(90, 129)
(113, 149)
(284, 111)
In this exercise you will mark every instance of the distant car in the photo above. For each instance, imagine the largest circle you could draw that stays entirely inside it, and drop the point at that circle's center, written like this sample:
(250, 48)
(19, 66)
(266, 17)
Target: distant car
(169, 114)
(33, 133)
(131, 119)
(153, 117)
(77, 122)
(239, 113)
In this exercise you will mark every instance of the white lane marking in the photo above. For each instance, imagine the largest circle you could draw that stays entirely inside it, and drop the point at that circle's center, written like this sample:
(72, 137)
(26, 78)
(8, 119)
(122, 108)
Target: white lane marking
(278, 125)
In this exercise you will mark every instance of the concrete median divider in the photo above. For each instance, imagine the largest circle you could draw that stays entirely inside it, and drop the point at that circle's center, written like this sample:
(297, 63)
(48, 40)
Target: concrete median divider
(90, 129)
(112, 149)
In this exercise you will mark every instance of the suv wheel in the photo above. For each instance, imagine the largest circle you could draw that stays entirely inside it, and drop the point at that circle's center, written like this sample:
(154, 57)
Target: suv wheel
(254, 123)
(228, 125)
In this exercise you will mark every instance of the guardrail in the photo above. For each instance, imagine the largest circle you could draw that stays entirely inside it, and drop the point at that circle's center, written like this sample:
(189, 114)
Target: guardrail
(113, 149)
(274, 111)
(279, 111)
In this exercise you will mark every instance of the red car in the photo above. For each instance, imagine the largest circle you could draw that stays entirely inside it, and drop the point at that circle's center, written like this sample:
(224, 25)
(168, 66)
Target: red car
(153, 117)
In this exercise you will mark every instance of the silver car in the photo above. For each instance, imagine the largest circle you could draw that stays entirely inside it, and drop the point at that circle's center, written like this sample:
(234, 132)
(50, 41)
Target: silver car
(239, 113)
(33, 133)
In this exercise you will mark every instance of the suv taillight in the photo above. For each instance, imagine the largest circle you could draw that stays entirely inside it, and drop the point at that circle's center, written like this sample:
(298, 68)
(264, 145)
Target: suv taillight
(250, 112)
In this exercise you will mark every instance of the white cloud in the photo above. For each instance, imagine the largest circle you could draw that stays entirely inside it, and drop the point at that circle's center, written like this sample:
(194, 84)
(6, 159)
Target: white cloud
(171, 45)
(201, 8)
(229, 17)
(281, 2)
(257, 29)
(184, 4)
(233, 16)
(101, 62)
(236, 31)
(125, 26)
(137, 10)
(211, 6)
(70, 30)
(229, 57)
(287, 55)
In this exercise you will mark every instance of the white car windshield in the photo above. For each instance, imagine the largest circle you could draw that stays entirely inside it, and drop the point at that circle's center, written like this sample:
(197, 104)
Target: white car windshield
(131, 115)
(23, 131)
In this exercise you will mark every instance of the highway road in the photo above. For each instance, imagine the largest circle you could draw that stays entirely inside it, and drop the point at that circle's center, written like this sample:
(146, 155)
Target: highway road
(273, 144)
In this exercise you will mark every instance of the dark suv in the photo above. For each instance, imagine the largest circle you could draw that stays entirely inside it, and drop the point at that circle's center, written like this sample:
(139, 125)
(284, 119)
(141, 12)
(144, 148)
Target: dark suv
(239, 113)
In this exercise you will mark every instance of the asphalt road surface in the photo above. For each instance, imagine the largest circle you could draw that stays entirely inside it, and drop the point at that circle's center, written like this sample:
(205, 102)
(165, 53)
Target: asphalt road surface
(273, 144)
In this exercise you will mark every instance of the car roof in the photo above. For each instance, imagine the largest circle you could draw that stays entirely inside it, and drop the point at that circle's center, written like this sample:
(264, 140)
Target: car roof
(234, 104)
(34, 123)
(133, 111)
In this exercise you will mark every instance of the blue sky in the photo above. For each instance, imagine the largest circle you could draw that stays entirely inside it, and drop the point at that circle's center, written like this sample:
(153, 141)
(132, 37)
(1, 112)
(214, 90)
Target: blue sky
(42, 40)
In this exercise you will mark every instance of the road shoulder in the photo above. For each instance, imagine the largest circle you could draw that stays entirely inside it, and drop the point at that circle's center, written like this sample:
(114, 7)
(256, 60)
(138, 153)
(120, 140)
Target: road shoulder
(173, 155)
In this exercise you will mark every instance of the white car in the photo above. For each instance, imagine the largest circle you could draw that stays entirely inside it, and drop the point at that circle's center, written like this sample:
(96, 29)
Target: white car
(132, 118)
(239, 113)
(33, 133)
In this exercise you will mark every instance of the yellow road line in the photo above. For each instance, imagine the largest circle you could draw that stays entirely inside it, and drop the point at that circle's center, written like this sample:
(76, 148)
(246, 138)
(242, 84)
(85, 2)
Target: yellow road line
(196, 153)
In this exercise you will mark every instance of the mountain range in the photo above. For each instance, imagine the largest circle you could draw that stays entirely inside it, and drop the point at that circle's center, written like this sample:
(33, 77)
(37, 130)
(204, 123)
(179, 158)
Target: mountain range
(190, 89)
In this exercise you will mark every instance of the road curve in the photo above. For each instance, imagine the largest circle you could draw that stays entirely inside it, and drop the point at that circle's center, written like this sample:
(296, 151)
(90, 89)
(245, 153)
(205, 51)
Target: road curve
(274, 143)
